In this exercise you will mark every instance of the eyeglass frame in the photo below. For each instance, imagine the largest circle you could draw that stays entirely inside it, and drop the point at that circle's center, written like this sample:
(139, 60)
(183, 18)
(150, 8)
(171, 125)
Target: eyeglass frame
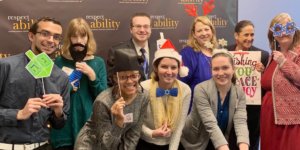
(133, 77)
(47, 34)
(139, 27)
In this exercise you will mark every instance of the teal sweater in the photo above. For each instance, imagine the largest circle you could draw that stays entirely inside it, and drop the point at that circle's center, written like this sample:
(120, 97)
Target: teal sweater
(81, 101)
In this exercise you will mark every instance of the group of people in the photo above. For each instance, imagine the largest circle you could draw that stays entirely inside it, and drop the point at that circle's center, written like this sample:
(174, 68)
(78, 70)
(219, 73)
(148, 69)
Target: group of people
(148, 98)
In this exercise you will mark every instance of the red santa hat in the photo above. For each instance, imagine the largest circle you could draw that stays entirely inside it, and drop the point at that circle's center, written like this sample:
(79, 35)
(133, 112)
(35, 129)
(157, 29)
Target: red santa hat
(168, 50)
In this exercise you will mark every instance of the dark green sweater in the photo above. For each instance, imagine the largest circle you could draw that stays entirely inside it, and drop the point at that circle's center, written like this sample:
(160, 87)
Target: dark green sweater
(81, 101)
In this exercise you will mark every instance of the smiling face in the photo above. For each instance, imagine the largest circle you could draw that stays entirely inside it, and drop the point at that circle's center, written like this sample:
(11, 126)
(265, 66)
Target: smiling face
(47, 37)
(128, 81)
(222, 70)
(140, 29)
(202, 33)
(167, 71)
(244, 39)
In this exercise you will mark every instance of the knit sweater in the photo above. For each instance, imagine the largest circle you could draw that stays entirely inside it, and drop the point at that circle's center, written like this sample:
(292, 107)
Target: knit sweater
(101, 131)
(286, 90)
(81, 101)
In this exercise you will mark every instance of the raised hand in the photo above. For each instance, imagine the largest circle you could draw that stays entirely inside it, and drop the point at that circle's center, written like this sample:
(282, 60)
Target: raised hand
(163, 131)
(86, 69)
(117, 111)
(278, 57)
(55, 102)
(33, 105)
(259, 67)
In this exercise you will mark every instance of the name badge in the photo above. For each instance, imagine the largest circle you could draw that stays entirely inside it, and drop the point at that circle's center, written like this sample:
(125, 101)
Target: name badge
(128, 118)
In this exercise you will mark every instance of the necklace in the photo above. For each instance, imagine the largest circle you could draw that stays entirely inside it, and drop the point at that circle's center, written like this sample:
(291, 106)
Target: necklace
(206, 59)
(206, 53)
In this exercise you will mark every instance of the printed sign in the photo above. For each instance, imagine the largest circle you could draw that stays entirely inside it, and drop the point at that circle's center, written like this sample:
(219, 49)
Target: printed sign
(247, 77)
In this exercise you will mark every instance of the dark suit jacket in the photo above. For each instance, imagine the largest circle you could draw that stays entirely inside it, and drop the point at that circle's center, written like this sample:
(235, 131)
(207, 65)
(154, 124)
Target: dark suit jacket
(130, 48)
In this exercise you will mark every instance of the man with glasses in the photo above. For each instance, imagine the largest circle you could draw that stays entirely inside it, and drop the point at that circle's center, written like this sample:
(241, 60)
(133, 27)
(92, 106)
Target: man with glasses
(29, 106)
(140, 29)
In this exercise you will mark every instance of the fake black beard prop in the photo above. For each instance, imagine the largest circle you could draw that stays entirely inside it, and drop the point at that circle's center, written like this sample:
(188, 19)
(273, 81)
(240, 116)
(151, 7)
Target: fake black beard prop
(78, 52)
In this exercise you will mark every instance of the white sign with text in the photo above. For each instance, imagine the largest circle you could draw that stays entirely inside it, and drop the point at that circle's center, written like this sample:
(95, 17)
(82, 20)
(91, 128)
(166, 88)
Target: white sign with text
(247, 77)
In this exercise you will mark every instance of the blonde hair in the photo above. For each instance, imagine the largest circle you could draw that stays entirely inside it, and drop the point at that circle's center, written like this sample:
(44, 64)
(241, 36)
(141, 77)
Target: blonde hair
(278, 19)
(81, 27)
(192, 42)
(296, 39)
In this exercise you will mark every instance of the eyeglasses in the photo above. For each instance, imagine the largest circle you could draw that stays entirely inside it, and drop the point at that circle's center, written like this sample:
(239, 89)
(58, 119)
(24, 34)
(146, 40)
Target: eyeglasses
(139, 27)
(47, 34)
(133, 77)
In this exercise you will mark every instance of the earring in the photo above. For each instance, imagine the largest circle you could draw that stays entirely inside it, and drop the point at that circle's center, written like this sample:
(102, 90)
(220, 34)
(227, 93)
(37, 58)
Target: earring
(275, 45)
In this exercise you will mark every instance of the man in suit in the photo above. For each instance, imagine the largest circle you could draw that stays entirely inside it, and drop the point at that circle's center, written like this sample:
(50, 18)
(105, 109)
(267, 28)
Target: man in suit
(140, 29)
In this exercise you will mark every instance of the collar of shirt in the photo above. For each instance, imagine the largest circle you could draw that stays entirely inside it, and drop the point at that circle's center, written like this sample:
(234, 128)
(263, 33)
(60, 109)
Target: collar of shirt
(137, 48)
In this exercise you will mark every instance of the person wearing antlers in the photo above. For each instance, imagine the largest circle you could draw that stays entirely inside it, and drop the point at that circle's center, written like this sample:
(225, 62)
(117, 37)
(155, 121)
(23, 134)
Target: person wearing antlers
(87, 75)
(169, 101)
(280, 113)
(197, 55)
(118, 112)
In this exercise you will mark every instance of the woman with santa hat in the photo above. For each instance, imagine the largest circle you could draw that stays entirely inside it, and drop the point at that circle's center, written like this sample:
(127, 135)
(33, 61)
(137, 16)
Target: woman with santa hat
(169, 101)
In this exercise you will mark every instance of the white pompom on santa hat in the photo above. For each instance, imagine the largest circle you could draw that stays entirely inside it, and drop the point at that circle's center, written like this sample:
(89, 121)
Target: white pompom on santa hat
(168, 50)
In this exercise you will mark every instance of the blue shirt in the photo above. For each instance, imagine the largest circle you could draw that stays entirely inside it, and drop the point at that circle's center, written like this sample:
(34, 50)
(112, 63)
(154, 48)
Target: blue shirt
(223, 112)
(199, 68)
